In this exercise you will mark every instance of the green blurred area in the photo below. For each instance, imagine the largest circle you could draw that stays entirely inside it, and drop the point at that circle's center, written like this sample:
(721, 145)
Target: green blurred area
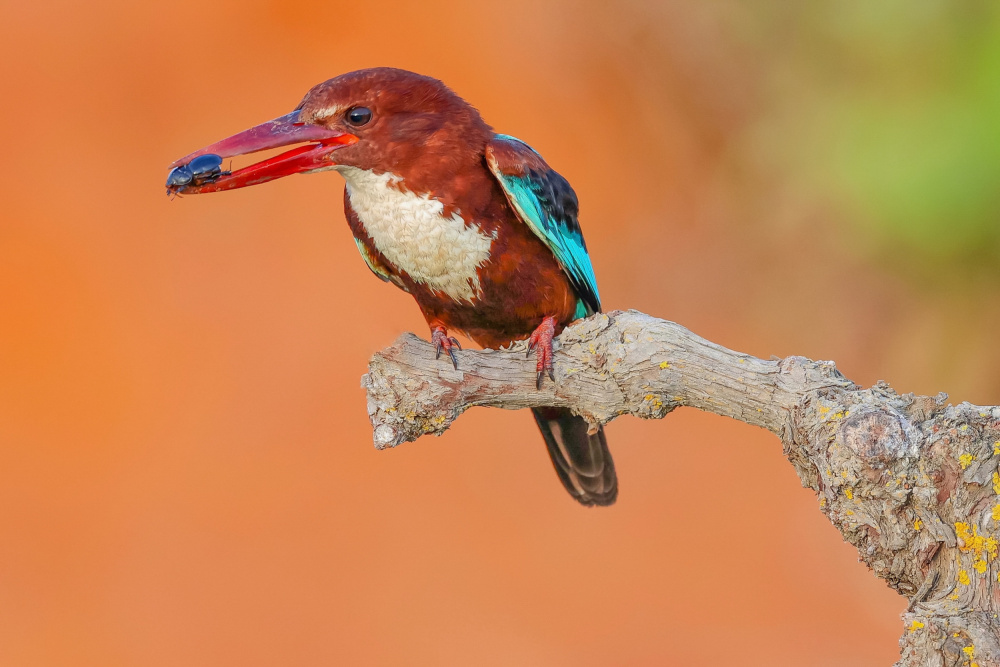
(827, 173)
(891, 110)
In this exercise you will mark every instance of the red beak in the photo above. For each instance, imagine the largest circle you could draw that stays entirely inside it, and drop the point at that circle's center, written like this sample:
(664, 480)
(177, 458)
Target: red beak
(286, 130)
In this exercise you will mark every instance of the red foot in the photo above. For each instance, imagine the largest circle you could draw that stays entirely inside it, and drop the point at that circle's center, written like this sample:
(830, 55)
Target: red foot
(443, 342)
(541, 341)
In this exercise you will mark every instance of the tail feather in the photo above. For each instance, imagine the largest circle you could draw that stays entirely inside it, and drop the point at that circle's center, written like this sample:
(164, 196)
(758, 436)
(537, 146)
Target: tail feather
(582, 460)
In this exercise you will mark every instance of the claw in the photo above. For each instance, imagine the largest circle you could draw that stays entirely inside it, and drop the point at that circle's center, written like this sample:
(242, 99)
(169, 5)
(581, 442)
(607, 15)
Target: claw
(445, 343)
(540, 342)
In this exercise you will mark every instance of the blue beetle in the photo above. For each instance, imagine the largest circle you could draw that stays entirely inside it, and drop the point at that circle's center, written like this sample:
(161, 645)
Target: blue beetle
(203, 169)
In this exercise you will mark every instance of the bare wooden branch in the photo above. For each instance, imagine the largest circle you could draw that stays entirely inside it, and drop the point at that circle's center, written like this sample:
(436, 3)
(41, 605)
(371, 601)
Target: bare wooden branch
(911, 482)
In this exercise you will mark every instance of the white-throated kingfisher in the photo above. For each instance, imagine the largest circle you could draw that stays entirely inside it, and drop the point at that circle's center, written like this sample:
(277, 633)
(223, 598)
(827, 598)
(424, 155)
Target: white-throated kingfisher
(473, 224)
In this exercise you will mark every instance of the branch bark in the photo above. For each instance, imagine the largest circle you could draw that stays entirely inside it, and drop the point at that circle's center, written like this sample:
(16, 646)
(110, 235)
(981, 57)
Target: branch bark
(911, 482)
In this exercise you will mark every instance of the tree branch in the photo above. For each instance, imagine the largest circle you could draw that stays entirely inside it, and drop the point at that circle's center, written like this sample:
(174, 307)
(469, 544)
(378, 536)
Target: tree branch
(911, 482)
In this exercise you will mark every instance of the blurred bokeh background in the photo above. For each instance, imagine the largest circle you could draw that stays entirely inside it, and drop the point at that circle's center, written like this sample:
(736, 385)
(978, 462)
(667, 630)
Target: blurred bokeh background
(186, 468)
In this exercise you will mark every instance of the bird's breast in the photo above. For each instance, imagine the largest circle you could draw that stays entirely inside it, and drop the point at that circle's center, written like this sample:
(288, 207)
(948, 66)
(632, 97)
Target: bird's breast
(413, 233)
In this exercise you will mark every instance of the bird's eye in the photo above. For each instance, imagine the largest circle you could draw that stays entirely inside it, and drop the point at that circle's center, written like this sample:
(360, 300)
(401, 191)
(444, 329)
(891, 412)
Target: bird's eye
(359, 116)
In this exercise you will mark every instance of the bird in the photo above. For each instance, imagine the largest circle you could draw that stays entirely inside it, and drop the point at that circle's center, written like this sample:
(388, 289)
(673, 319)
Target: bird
(473, 224)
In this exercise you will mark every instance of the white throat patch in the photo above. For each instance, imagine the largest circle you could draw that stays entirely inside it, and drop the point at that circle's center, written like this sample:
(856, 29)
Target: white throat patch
(413, 234)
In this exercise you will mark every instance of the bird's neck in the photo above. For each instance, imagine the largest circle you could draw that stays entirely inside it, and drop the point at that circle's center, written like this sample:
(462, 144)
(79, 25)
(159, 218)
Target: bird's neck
(459, 181)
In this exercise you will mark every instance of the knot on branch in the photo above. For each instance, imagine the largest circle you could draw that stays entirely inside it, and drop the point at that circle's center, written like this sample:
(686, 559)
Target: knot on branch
(877, 435)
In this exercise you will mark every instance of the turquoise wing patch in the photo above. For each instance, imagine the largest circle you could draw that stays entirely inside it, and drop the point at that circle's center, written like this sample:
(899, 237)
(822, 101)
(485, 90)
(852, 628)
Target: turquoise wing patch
(545, 202)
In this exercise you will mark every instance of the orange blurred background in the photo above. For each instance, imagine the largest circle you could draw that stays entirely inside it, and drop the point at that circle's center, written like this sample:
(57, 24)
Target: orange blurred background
(186, 468)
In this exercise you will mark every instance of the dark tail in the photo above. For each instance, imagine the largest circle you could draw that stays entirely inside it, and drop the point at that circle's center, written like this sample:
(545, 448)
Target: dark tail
(582, 461)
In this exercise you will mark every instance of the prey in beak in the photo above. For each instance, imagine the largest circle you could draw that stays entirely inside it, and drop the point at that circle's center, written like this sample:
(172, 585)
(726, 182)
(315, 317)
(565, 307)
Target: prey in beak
(202, 172)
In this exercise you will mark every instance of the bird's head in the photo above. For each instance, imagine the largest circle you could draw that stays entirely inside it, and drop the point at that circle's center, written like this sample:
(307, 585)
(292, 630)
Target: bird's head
(380, 119)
